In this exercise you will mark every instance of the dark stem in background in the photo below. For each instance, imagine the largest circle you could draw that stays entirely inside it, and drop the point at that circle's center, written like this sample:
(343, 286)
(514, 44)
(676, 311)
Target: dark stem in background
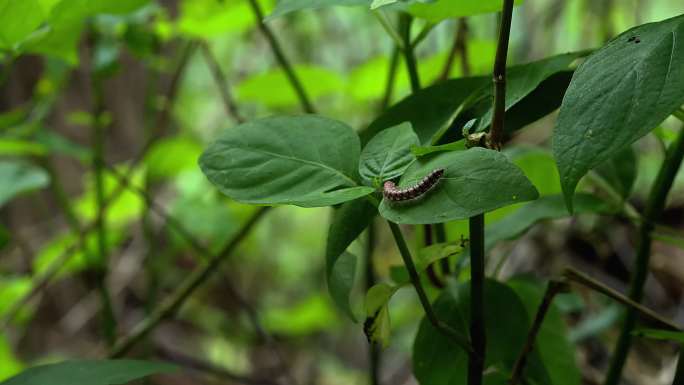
(652, 213)
(679, 373)
(478, 337)
(552, 288)
(459, 47)
(221, 83)
(443, 328)
(176, 299)
(101, 259)
(499, 76)
(374, 352)
(281, 58)
(405, 22)
(435, 280)
(391, 75)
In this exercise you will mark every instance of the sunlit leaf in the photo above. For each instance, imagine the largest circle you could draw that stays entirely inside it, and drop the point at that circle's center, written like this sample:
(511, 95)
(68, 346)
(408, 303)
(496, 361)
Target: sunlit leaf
(444, 9)
(9, 363)
(18, 19)
(171, 156)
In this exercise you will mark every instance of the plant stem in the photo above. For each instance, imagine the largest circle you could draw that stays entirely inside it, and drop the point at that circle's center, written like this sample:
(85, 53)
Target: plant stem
(478, 337)
(585, 280)
(281, 58)
(445, 329)
(221, 83)
(553, 288)
(391, 75)
(393, 34)
(652, 213)
(499, 76)
(679, 373)
(101, 259)
(176, 299)
(459, 46)
(405, 22)
(374, 352)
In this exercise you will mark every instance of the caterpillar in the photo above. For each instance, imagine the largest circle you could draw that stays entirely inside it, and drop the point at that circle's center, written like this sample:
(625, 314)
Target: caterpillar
(394, 194)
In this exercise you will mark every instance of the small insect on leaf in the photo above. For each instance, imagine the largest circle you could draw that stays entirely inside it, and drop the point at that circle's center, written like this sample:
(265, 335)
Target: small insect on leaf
(394, 194)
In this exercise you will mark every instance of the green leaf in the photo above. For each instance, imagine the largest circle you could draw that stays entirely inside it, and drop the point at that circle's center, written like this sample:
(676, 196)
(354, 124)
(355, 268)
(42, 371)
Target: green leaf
(286, 6)
(127, 206)
(18, 147)
(388, 154)
(464, 190)
(60, 37)
(348, 222)
(419, 151)
(18, 19)
(552, 344)
(9, 364)
(171, 156)
(90, 372)
(311, 315)
(427, 255)
(377, 325)
(439, 361)
(19, 178)
(306, 161)
(210, 18)
(620, 171)
(273, 88)
(428, 109)
(544, 208)
(619, 94)
(658, 334)
(522, 80)
(12, 289)
(445, 9)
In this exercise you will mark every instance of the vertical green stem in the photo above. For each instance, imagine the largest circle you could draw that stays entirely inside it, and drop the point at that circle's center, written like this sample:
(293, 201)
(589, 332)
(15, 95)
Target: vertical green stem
(654, 209)
(477, 316)
(281, 58)
(391, 75)
(101, 263)
(374, 352)
(405, 22)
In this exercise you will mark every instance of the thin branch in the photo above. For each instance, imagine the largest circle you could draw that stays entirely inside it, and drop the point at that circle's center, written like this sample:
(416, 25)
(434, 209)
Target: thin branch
(393, 34)
(221, 83)
(405, 22)
(281, 58)
(459, 46)
(176, 299)
(443, 328)
(584, 280)
(652, 213)
(553, 288)
(478, 336)
(499, 77)
(391, 76)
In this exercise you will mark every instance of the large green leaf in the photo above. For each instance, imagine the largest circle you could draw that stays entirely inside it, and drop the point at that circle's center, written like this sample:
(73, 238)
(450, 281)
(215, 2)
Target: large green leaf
(521, 80)
(286, 6)
(348, 222)
(466, 189)
(619, 94)
(439, 361)
(18, 19)
(443, 9)
(307, 161)
(544, 208)
(18, 178)
(428, 109)
(388, 154)
(105, 372)
(553, 345)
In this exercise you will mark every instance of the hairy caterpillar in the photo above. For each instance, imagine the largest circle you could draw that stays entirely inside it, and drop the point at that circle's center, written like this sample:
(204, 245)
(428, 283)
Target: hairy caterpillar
(394, 194)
